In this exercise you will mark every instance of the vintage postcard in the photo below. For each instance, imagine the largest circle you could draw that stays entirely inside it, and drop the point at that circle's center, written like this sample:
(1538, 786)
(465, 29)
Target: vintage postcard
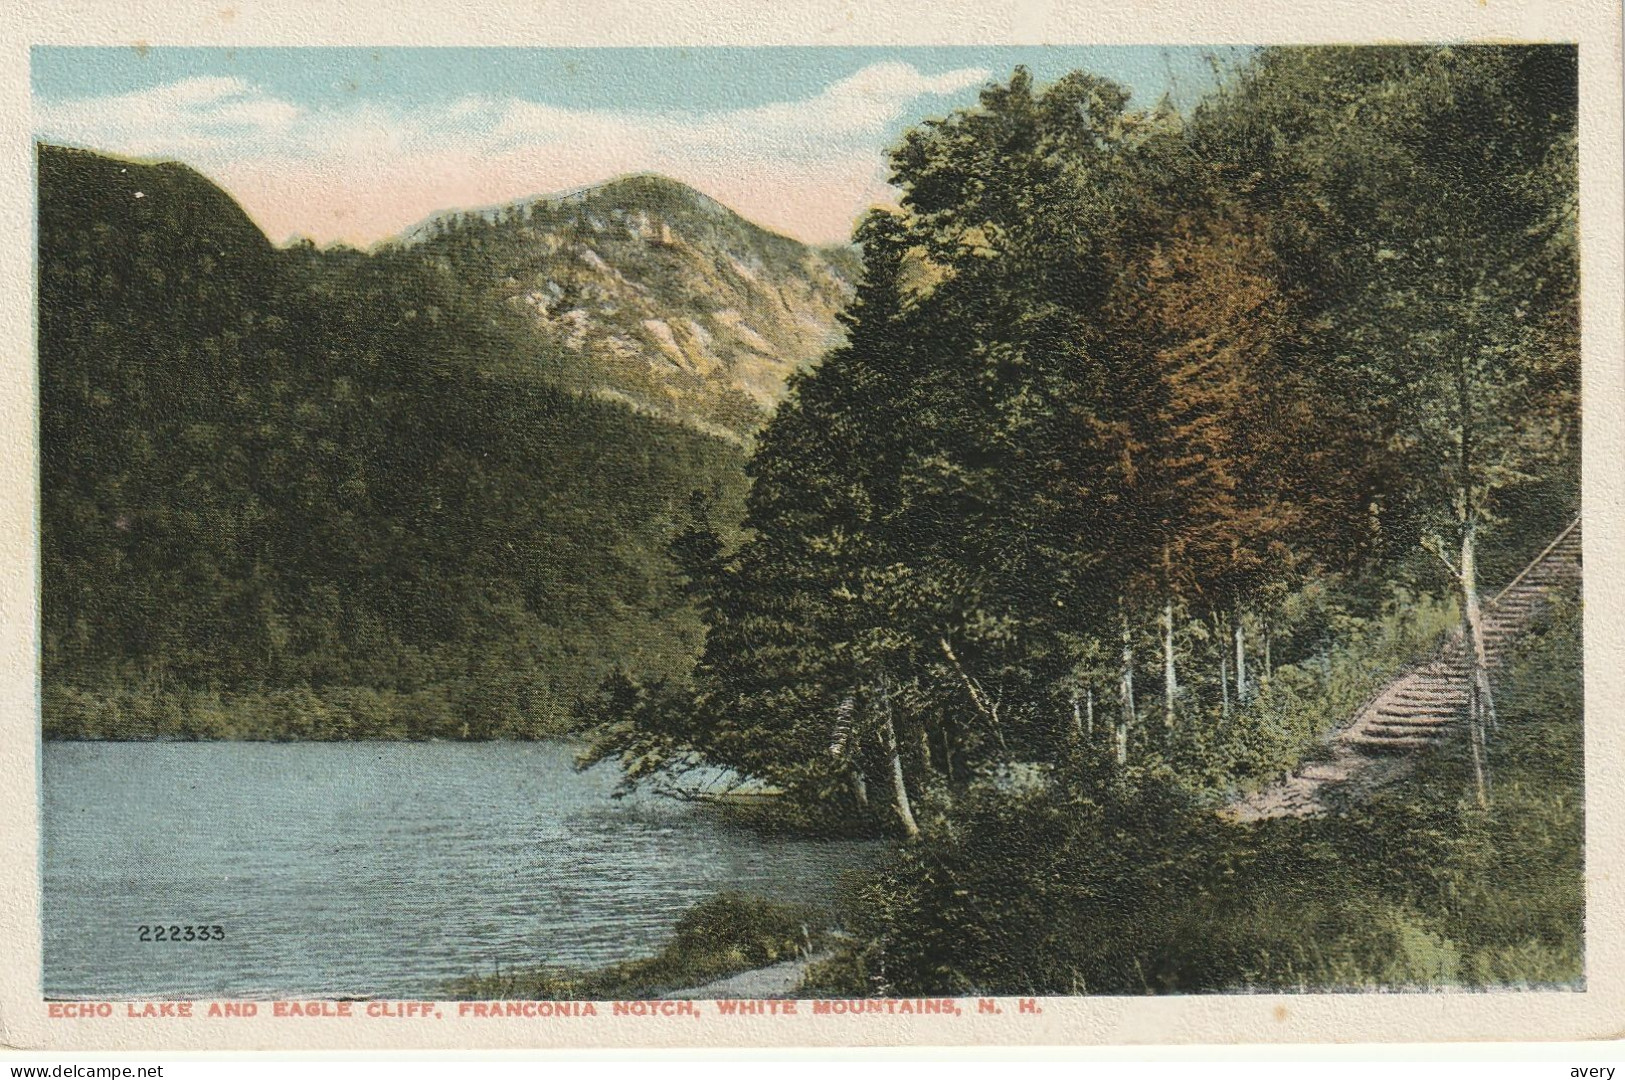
(914, 528)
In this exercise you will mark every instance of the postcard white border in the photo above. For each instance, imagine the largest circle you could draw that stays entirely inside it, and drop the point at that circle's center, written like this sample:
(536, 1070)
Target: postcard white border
(1597, 1012)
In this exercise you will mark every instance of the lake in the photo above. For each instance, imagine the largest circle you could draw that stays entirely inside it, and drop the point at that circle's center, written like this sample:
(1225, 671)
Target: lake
(374, 869)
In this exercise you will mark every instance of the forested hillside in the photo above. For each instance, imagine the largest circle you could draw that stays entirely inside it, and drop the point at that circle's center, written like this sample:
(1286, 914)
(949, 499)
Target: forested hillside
(295, 493)
(646, 291)
(1157, 440)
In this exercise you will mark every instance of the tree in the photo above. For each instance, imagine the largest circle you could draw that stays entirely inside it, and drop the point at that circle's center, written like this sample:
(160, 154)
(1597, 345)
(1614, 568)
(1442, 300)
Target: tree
(1424, 202)
(1242, 463)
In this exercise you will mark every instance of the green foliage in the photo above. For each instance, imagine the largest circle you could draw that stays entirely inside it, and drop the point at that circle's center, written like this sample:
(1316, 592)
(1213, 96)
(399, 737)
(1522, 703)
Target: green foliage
(719, 937)
(1110, 368)
(1119, 889)
(1422, 203)
(272, 473)
(1298, 704)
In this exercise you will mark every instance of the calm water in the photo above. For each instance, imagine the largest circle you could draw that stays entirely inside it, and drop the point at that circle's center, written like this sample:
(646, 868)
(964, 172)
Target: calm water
(372, 868)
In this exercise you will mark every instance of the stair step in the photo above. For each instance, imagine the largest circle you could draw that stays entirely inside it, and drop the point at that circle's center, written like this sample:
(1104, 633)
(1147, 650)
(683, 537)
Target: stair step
(1386, 726)
(1405, 736)
(1408, 724)
(1385, 715)
(1388, 746)
(1404, 695)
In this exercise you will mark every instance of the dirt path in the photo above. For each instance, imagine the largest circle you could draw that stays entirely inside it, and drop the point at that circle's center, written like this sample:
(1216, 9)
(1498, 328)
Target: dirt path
(775, 981)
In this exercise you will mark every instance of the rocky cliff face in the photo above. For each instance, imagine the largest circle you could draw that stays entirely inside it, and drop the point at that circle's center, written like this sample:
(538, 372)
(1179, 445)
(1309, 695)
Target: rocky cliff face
(655, 294)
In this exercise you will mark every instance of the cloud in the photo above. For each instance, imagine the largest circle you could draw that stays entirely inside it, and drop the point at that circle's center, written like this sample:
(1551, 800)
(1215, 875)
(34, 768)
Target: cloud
(193, 114)
(366, 171)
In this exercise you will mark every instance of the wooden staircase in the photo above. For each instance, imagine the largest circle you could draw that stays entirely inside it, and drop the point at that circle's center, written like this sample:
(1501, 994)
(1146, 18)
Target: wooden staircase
(1421, 707)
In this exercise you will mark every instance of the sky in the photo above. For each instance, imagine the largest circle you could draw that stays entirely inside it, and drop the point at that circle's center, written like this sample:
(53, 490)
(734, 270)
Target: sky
(355, 145)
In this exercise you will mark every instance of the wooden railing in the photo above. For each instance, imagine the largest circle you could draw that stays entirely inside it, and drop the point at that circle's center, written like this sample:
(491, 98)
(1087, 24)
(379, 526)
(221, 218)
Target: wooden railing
(1536, 561)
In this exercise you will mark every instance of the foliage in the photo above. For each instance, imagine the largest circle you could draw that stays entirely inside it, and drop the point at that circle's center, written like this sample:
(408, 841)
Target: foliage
(719, 937)
(1112, 501)
(1422, 202)
(1123, 384)
(1119, 889)
(1302, 702)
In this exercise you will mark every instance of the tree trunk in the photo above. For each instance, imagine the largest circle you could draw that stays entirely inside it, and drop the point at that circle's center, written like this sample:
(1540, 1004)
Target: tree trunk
(1224, 684)
(1480, 695)
(905, 812)
(1480, 699)
(1170, 682)
(978, 696)
(1473, 615)
(860, 787)
(1089, 711)
(1077, 715)
(1126, 689)
(1241, 660)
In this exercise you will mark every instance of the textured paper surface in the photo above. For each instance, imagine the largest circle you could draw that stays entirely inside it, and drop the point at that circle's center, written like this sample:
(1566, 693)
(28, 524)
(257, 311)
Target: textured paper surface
(1597, 1012)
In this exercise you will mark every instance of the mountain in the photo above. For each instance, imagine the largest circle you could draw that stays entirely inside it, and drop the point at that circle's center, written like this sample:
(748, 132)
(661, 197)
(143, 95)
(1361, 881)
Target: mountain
(165, 204)
(292, 493)
(647, 291)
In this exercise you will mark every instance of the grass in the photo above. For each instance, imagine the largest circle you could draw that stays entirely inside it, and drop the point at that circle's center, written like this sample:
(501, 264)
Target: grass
(720, 937)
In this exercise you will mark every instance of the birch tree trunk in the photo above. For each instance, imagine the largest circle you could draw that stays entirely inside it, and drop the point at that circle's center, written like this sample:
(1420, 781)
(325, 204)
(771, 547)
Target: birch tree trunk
(1480, 698)
(1224, 682)
(1089, 711)
(1480, 695)
(860, 787)
(978, 696)
(1241, 659)
(1126, 690)
(1170, 681)
(905, 812)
